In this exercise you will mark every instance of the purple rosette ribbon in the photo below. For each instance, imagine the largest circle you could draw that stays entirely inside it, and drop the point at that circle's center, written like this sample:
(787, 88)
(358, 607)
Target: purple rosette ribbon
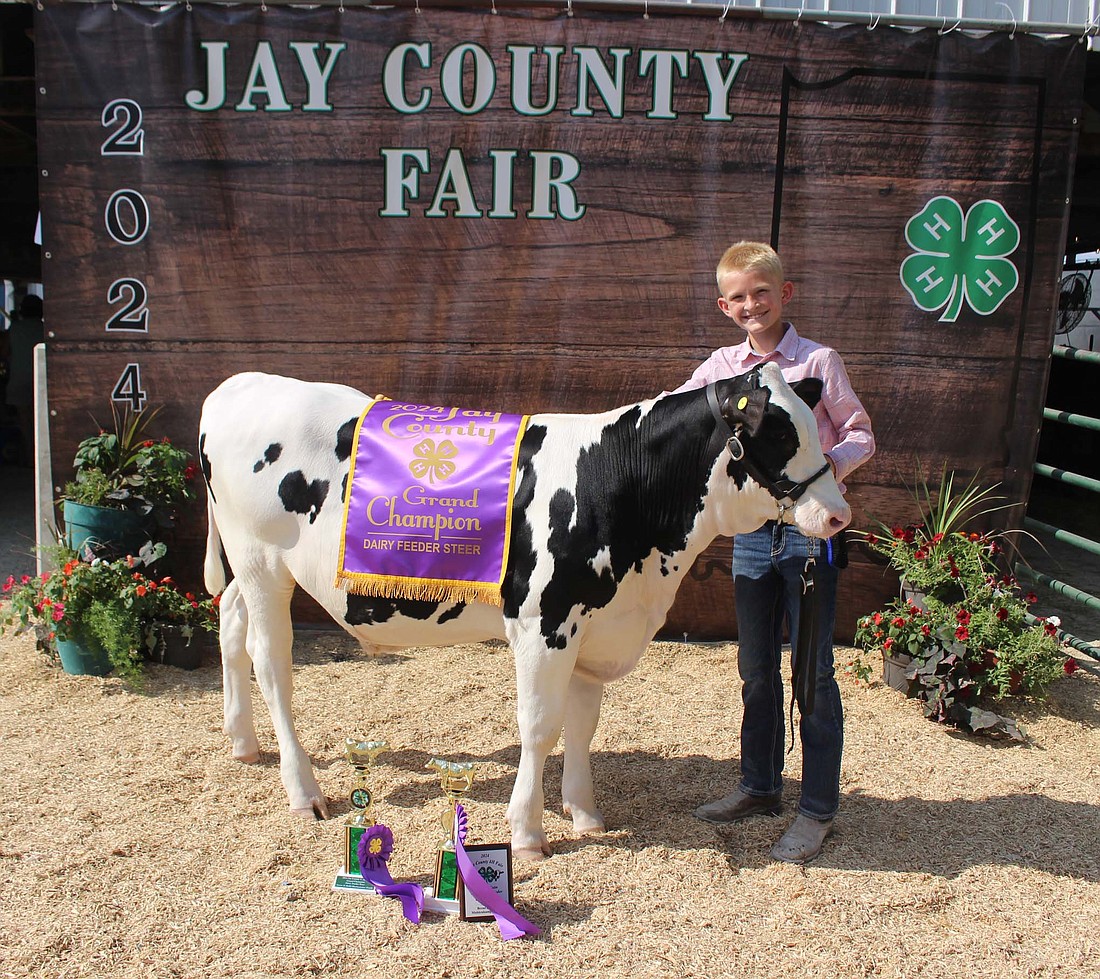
(374, 851)
(510, 922)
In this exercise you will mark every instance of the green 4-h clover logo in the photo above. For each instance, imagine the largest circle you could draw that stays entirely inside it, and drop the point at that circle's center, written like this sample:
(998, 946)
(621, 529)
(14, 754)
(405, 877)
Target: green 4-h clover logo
(960, 258)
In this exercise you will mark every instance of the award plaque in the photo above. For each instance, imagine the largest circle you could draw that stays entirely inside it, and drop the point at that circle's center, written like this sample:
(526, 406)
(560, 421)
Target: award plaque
(456, 779)
(493, 863)
(361, 756)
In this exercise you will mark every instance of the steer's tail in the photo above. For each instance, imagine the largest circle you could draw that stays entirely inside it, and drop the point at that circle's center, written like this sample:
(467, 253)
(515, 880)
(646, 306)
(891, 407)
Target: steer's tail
(213, 570)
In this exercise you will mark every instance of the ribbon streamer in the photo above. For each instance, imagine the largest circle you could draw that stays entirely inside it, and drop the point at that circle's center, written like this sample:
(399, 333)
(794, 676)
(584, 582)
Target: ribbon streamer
(373, 867)
(510, 922)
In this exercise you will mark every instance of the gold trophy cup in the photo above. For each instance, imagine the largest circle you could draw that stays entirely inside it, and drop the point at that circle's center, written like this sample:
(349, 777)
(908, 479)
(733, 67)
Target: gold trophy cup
(456, 779)
(361, 756)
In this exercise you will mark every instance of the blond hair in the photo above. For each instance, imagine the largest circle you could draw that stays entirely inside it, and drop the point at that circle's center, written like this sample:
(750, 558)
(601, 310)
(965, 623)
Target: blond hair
(748, 256)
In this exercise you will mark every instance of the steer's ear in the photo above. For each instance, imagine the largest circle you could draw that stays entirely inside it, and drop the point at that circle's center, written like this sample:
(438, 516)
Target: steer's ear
(746, 408)
(809, 389)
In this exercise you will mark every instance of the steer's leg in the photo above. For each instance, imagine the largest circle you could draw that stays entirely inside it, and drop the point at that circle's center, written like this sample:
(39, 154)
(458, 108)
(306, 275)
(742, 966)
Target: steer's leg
(239, 723)
(270, 636)
(542, 679)
(582, 713)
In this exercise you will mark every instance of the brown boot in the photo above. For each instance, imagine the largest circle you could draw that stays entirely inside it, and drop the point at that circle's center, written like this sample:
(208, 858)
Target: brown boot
(802, 842)
(740, 805)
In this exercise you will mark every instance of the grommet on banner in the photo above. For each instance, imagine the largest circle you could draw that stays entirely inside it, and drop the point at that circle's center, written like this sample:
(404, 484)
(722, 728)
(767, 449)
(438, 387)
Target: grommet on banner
(645, 15)
(568, 8)
(494, 7)
(725, 10)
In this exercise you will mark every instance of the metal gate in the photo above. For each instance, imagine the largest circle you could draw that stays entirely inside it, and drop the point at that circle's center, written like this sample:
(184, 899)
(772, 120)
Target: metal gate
(1059, 540)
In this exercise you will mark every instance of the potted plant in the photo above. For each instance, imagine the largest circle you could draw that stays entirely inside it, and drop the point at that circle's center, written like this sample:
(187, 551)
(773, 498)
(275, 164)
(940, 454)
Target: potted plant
(960, 633)
(125, 487)
(102, 616)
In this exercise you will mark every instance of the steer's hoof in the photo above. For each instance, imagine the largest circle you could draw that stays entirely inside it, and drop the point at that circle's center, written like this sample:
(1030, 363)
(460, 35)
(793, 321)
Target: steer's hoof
(317, 809)
(586, 823)
(532, 853)
(589, 826)
(247, 757)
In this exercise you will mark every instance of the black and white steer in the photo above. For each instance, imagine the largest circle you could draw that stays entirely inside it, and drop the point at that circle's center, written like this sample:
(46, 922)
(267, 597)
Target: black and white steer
(609, 514)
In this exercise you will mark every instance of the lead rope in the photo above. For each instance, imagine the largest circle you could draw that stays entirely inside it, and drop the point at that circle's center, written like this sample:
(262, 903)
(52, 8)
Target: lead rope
(804, 666)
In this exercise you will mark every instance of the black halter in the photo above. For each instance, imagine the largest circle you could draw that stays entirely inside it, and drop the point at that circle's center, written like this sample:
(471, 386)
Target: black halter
(782, 488)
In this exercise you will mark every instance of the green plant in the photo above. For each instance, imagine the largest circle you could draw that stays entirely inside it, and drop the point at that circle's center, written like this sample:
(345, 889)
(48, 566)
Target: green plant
(115, 604)
(937, 555)
(126, 469)
(965, 624)
(980, 649)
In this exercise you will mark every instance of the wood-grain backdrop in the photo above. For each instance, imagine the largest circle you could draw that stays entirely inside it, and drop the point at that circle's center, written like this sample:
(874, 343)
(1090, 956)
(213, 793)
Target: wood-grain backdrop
(262, 244)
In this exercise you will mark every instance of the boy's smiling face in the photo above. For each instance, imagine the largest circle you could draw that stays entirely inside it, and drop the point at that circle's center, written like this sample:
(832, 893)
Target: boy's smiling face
(754, 300)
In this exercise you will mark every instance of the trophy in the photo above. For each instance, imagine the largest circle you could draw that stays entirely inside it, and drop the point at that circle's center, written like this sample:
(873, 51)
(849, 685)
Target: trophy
(455, 778)
(361, 756)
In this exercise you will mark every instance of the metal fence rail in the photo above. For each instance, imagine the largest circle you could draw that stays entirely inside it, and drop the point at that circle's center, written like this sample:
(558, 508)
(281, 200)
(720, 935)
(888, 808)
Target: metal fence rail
(1086, 483)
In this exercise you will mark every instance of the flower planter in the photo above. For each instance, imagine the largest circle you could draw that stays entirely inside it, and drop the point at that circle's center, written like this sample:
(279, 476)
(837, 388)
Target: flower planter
(894, 670)
(174, 648)
(105, 532)
(82, 657)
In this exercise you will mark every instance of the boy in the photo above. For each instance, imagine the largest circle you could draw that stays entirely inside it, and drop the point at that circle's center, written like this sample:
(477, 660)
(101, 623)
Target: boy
(767, 564)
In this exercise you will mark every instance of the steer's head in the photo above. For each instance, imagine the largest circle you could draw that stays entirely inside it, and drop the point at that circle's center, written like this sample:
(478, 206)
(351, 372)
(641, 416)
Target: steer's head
(773, 448)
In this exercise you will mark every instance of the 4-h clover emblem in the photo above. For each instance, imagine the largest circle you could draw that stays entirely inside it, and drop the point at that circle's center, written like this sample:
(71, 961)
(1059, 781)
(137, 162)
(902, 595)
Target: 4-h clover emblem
(433, 460)
(960, 258)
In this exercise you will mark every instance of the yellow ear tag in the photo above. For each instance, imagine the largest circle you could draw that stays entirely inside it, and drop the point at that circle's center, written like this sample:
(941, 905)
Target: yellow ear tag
(742, 404)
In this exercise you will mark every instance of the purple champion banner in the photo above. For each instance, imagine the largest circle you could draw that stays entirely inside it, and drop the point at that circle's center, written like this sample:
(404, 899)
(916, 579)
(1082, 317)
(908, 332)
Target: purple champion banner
(429, 512)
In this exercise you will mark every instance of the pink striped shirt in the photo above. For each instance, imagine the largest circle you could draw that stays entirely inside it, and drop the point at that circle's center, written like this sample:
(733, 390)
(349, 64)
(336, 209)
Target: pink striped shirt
(842, 422)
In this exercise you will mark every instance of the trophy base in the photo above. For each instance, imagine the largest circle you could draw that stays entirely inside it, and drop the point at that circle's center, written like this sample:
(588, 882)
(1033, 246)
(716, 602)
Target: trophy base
(439, 905)
(355, 883)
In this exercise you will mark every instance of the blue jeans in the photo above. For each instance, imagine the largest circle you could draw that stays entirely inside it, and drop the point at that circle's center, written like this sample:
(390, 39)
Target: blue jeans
(767, 570)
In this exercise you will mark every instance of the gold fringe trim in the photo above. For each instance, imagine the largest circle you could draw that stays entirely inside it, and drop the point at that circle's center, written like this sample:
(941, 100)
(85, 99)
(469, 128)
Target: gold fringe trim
(419, 589)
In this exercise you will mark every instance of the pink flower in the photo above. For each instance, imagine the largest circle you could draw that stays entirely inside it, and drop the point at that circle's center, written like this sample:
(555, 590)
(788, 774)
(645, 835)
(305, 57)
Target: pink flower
(10, 583)
(58, 612)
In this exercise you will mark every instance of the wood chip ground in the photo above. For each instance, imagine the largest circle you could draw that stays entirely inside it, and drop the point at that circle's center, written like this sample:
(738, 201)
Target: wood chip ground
(133, 847)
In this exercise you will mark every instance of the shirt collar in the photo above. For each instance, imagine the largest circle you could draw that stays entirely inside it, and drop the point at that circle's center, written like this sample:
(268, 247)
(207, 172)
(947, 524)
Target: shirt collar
(787, 350)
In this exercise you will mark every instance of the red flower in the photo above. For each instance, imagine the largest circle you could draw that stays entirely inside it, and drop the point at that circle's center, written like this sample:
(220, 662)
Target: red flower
(1031, 598)
(1069, 667)
(877, 618)
(217, 600)
(1050, 629)
(962, 616)
(898, 622)
(148, 444)
(1002, 614)
(920, 554)
(10, 583)
(190, 472)
(887, 643)
(140, 590)
(937, 538)
(926, 630)
(962, 633)
(58, 612)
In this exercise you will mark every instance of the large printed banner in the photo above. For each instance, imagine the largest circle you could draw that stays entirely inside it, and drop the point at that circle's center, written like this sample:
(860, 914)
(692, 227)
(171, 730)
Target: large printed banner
(522, 210)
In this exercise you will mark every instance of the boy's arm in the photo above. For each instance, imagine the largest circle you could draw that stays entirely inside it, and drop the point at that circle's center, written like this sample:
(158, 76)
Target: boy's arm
(855, 440)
